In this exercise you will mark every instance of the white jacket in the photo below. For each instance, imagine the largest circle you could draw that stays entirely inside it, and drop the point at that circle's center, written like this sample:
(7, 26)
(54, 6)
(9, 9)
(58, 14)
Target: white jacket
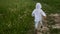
(38, 13)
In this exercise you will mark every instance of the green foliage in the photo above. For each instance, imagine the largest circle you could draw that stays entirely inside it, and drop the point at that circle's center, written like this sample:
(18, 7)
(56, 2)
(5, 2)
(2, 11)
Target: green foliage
(15, 15)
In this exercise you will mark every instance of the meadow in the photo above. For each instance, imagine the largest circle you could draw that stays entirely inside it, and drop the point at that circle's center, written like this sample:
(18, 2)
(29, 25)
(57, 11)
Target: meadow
(15, 15)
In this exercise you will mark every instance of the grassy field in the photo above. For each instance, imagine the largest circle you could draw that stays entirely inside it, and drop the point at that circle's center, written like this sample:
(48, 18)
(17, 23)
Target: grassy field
(15, 15)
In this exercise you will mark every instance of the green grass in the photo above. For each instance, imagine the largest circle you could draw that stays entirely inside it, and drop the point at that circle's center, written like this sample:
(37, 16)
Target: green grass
(15, 15)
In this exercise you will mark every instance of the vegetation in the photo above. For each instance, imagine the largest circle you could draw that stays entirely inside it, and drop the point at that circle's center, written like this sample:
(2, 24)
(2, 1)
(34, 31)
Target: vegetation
(15, 15)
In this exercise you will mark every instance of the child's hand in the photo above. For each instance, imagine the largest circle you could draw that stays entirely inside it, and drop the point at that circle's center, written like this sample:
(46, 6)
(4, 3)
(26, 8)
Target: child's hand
(44, 17)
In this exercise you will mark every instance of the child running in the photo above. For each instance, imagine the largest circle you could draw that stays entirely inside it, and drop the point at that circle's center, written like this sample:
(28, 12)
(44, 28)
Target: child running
(38, 15)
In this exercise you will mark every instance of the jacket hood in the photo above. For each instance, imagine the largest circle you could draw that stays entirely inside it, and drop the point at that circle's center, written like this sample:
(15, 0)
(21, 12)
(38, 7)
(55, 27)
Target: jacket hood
(38, 6)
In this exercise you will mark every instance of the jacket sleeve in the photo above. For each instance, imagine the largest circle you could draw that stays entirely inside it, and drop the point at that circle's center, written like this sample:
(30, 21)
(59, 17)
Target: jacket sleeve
(43, 13)
(33, 13)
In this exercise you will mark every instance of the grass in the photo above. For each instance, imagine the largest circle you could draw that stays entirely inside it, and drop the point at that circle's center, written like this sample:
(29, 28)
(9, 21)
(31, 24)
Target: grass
(15, 15)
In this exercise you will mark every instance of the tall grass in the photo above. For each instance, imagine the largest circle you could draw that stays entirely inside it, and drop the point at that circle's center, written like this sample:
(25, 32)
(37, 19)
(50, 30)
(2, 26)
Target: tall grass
(15, 15)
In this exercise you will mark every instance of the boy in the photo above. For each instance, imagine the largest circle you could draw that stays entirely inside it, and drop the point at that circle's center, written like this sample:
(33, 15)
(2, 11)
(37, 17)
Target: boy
(38, 14)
